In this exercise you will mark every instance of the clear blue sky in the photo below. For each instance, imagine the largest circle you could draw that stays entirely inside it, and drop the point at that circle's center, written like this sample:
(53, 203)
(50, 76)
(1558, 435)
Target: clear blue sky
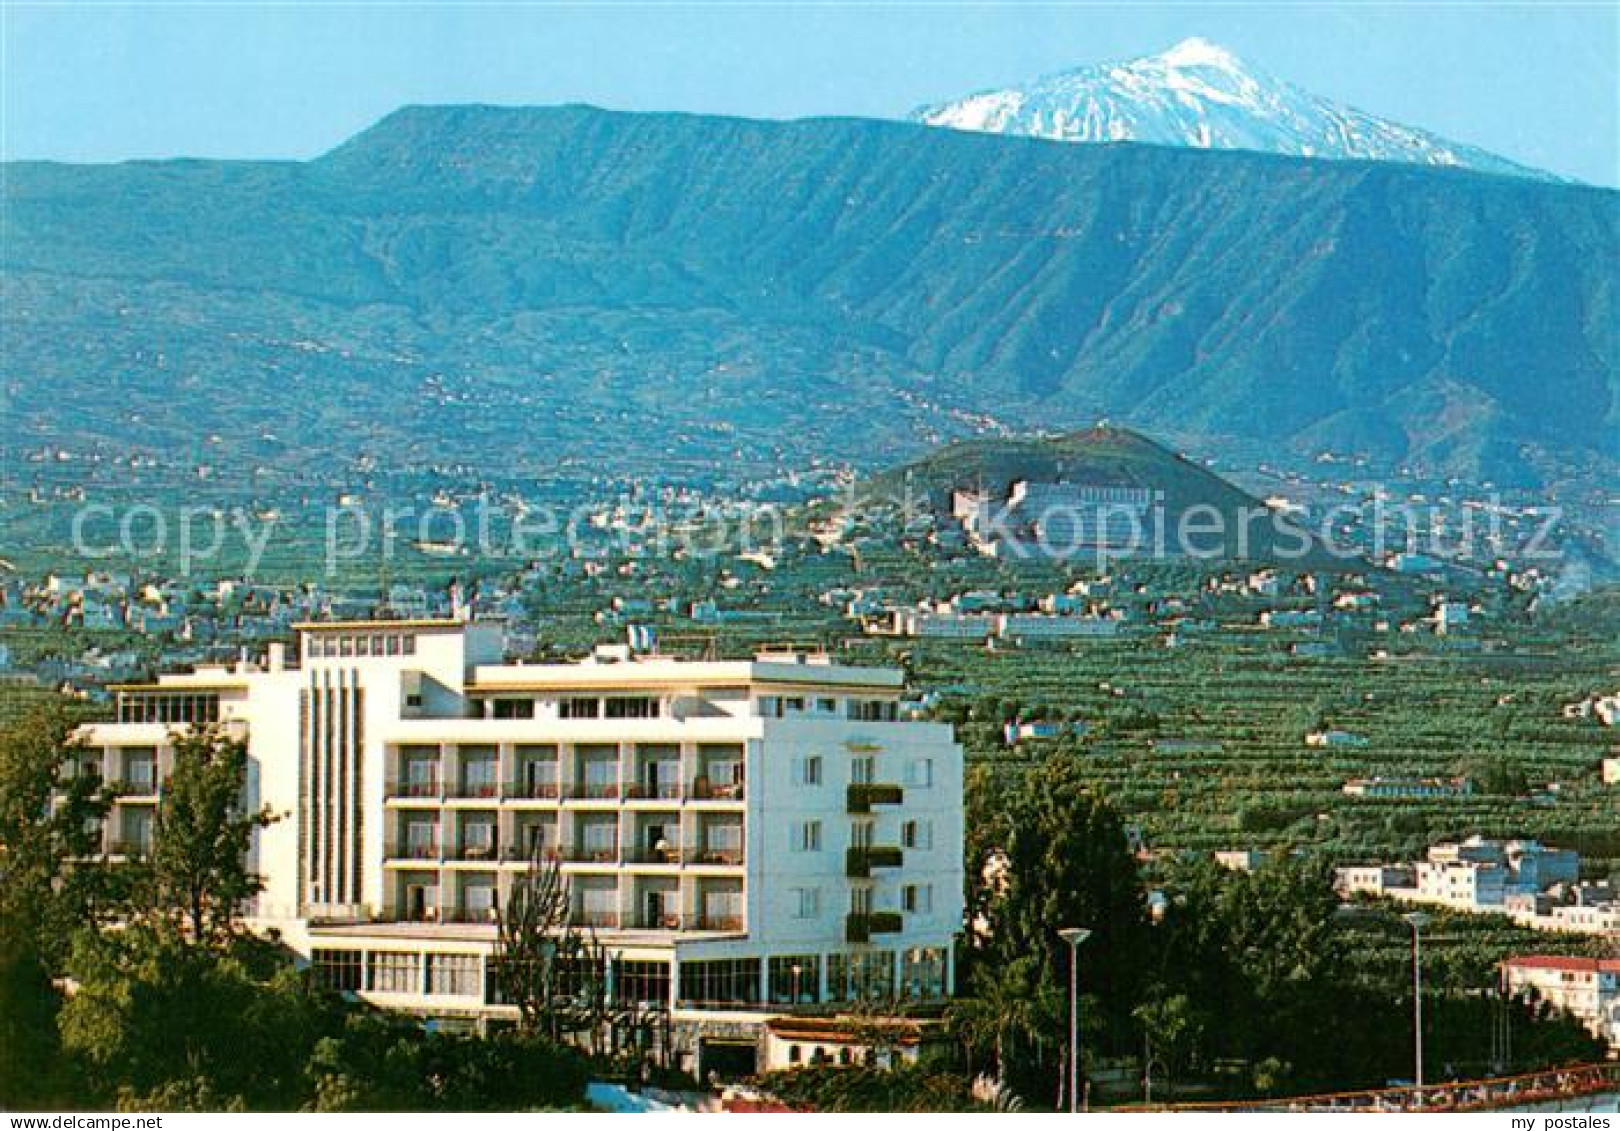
(96, 82)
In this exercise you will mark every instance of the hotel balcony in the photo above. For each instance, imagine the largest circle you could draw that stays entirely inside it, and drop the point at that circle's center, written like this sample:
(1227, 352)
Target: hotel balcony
(859, 928)
(859, 862)
(126, 789)
(581, 917)
(726, 922)
(425, 789)
(487, 853)
(518, 854)
(531, 790)
(704, 789)
(730, 857)
(643, 790)
(698, 789)
(861, 796)
(579, 854)
(396, 851)
(469, 915)
(691, 854)
(669, 855)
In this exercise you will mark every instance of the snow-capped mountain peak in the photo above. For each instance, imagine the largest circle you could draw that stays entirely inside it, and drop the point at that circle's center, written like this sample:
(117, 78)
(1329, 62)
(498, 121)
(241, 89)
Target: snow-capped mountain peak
(1199, 94)
(1199, 52)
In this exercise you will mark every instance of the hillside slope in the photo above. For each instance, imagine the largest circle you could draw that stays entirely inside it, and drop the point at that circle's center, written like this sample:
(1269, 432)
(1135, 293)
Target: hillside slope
(1105, 456)
(515, 288)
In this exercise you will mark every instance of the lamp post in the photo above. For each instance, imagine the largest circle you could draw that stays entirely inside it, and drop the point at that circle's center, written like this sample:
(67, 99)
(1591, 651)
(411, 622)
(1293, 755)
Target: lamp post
(1074, 936)
(1417, 920)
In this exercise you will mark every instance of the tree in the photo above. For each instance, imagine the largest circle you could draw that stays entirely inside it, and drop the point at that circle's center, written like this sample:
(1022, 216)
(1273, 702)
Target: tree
(1008, 1010)
(530, 926)
(1053, 854)
(49, 830)
(378, 1062)
(552, 971)
(197, 875)
(157, 1019)
(1171, 1028)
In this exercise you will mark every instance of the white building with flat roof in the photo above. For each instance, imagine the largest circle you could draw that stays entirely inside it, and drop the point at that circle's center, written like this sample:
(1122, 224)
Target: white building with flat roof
(742, 836)
(1589, 988)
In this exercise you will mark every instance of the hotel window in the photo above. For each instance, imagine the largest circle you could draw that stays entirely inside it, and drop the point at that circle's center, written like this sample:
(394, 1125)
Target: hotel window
(600, 766)
(860, 834)
(514, 708)
(722, 910)
(838, 977)
(641, 983)
(478, 840)
(806, 903)
(339, 970)
(810, 770)
(422, 839)
(421, 770)
(599, 839)
(807, 836)
(922, 973)
(733, 981)
(872, 711)
(860, 901)
(580, 708)
(920, 772)
(795, 978)
(480, 770)
(862, 769)
(872, 975)
(599, 905)
(394, 972)
(918, 899)
(917, 834)
(456, 975)
(826, 706)
(140, 768)
(724, 836)
(638, 707)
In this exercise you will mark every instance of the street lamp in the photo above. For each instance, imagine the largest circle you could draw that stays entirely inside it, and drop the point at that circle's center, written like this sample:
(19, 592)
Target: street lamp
(1417, 920)
(1074, 936)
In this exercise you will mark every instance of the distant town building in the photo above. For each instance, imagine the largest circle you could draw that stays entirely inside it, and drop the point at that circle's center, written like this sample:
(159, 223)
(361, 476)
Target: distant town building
(1014, 733)
(1480, 873)
(1240, 859)
(1374, 879)
(1589, 988)
(1055, 519)
(1337, 738)
(1410, 789)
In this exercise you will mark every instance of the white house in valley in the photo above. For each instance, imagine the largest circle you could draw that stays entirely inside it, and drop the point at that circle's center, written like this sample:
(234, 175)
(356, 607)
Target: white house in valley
(742, 836)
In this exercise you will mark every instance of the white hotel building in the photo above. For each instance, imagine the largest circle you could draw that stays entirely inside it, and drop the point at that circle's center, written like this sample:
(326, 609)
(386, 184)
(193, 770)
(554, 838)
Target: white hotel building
(742, 836)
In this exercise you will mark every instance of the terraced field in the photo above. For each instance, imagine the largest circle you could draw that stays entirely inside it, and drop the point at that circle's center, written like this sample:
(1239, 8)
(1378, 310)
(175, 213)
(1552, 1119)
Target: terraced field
(1204, 747)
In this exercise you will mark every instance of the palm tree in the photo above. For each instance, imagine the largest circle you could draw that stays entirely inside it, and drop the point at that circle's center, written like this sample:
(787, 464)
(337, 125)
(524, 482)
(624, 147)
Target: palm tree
(1007, 1006)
